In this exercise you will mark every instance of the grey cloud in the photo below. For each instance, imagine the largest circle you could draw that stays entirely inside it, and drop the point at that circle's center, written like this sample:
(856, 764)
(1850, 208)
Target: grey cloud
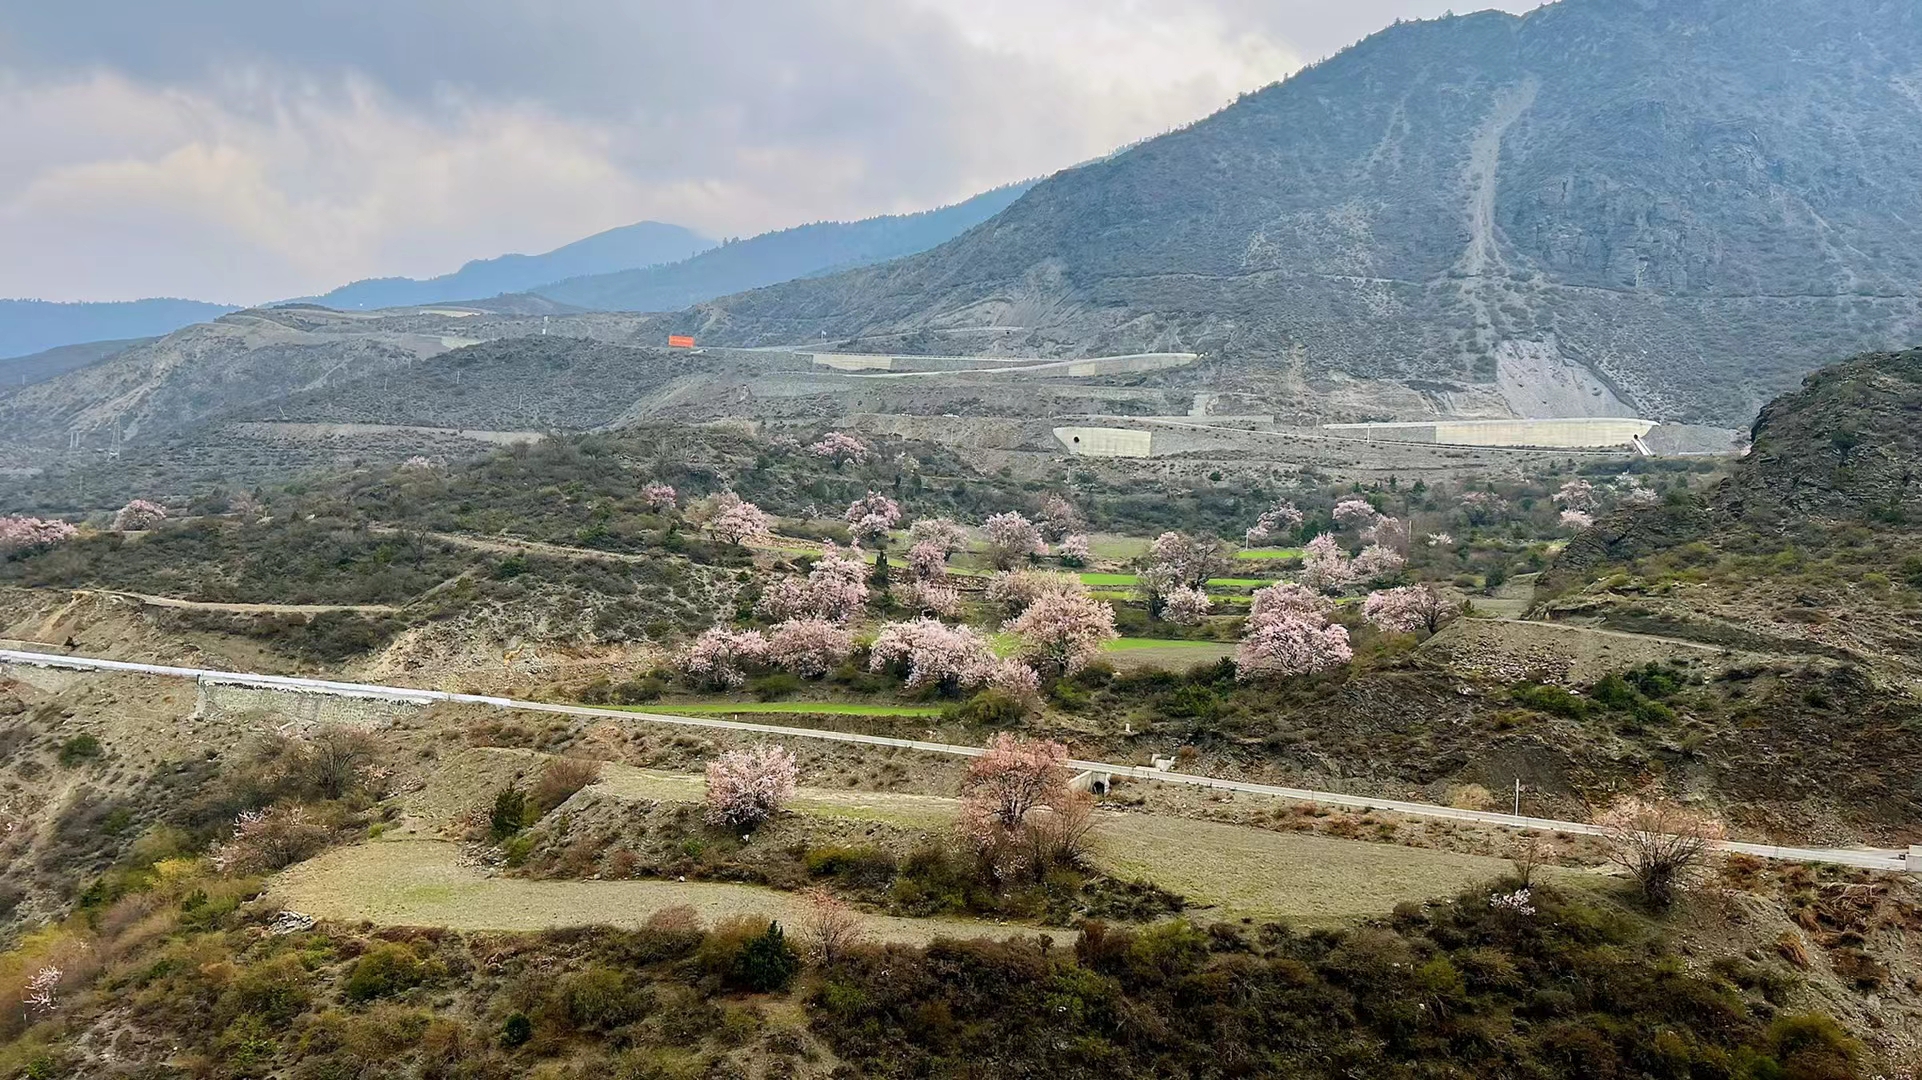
(298, 143)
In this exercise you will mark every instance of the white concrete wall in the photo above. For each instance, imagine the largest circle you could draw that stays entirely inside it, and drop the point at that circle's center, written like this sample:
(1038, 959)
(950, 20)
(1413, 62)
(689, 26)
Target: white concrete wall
(1566, 433)
(1105, 442)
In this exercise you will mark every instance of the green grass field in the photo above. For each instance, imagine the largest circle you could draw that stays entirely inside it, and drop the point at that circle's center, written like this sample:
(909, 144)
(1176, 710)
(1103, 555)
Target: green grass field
(792, 708)
(1129, 644)
(1269, 553)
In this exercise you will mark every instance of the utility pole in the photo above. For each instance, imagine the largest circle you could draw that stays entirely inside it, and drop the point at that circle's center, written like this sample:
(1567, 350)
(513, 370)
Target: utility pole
(1518, 796)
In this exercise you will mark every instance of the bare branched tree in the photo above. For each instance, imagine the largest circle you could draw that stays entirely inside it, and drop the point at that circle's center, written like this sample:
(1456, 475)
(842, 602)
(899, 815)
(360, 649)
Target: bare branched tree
(1660, 844)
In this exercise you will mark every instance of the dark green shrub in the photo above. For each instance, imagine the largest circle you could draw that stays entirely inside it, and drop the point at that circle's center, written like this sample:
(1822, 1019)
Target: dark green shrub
(860, 866)
(639, 691)
(516, 1030)
(775, 685)
(510, 814)
(989, 708)
(1553, 700)
(383, 972)
(767, 963)
(81, 748)
(601, 999)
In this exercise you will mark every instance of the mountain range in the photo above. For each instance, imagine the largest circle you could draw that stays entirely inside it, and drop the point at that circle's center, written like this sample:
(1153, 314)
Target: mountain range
(645, 243)
(1688, 202)
(33, 326)
(800, 252)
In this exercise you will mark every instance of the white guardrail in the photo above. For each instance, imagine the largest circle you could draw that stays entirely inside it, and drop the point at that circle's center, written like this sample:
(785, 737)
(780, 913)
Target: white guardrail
(1865, 859)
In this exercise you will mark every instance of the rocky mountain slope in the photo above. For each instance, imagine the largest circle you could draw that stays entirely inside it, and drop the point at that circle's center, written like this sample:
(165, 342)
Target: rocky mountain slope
(249, 358)
(646, 243)
(803, 251)
(1690, 202)
(1814, 543)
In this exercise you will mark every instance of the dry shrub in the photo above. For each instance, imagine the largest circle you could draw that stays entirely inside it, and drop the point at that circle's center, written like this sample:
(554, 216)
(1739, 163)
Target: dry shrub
(831, 928)
(1469, 797)
(1058, 833)
(1662, 845)
(560, 779)
(269, 840)
(679, 919)
(337, 762)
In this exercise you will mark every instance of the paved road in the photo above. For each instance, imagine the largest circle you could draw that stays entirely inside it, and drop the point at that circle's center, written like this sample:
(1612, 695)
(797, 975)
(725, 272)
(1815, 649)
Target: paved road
(1867, 859)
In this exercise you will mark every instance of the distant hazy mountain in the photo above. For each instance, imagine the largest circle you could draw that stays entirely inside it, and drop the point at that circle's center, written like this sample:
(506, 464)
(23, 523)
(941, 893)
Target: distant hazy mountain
(1691, 202)
(32, 326)
(26, 370)
(625, 248)
(803, 251)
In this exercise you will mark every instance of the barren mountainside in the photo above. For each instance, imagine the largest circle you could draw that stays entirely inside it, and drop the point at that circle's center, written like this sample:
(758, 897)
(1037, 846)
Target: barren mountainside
(1695, 200)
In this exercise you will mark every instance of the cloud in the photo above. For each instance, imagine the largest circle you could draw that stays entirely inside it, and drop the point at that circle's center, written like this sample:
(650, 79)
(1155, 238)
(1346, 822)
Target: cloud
(246, 151)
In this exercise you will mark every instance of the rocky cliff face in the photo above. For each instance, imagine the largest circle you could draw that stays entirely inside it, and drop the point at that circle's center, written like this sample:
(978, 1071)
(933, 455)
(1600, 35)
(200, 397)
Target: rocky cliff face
(1847, 446)
(1691, 202)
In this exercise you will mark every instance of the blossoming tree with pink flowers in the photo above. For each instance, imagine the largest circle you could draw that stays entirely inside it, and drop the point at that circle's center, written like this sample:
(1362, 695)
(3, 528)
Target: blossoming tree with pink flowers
(871, 517)
(1063, 631)
(747, 787)
(1407, 610)
(1012, 539)
(138, 515)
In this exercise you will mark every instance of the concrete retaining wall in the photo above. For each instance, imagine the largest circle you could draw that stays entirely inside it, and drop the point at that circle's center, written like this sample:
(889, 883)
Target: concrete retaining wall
(1566, 433)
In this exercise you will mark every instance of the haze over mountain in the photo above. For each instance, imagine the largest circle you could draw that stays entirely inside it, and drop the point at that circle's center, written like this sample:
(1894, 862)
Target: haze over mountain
(645, 243)
(1689, 203)
(802, 251)
(33, 326)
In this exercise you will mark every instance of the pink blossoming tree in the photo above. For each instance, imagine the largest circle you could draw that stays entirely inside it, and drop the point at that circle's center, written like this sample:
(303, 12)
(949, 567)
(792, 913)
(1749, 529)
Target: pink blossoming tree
(934, 598)
(1483, 507)
(720, 656)
(1290, 643)
(927, 561)
(1059, 518)
(1377, 562)
(871, 517)
(841, 449)
(660, 497)
(747, 787)
(25, 535)
(139, 514)
(1012, 539)
(1575, 519)
(1577, 495)
(742, 523)
(945, 534)
(1354, 513)
(1407, 610)
(1063, 631)
(1073, 550)
(932, 653)
(1013, 590)
(1185, 606)
(1325, 566)
(809, 648)
(1276, 521)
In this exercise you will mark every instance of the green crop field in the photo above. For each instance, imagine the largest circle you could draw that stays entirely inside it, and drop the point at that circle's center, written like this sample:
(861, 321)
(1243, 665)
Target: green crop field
(1269, 553)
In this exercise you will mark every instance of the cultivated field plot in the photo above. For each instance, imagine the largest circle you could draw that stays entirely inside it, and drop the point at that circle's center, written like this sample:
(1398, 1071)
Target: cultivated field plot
(1128, 653)
(1237, 872)
(424, 883)
(1227, 871)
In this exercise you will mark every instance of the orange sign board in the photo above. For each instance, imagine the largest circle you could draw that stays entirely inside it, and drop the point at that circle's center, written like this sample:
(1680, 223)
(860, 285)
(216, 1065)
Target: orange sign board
(679, 341)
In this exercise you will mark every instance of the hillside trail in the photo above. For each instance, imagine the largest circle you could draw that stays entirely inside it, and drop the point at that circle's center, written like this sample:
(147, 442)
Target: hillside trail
(151, 600)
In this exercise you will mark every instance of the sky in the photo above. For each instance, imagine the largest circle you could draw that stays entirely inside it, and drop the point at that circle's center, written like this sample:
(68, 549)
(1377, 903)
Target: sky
(240, 151)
